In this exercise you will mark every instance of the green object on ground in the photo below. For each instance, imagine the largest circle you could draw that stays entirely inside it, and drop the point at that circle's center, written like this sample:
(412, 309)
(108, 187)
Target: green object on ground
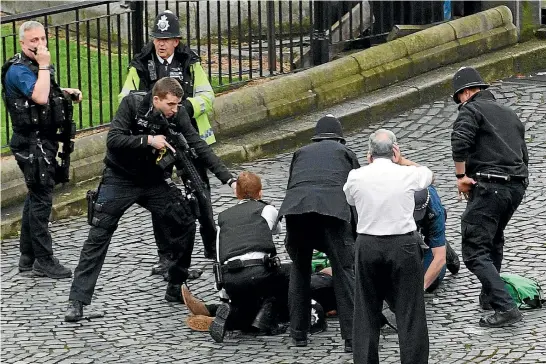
(526, 292)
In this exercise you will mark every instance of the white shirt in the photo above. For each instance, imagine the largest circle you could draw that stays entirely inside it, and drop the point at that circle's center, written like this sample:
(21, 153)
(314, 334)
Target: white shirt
(382, 193)
(169, 60)
(270, 214)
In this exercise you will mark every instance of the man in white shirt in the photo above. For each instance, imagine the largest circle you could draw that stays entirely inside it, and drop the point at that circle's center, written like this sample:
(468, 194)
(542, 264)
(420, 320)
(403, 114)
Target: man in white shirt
(387, 249)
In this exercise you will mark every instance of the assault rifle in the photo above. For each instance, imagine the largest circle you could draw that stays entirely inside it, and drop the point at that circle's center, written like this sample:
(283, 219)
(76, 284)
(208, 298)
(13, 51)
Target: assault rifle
(66, 136)
(185, 169)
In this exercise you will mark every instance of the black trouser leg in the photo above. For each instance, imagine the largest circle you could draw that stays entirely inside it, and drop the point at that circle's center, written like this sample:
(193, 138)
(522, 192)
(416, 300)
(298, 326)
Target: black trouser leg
(38, 207)
(207, 226)
(488, 211)
(404, 258)
(369, 295)
(299, 240)
(25, 240)
(339, 247)
(159, 227)
(115, 199)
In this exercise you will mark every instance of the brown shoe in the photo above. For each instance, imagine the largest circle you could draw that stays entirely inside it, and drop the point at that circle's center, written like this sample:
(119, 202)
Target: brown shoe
(196, 306)
(199, 322)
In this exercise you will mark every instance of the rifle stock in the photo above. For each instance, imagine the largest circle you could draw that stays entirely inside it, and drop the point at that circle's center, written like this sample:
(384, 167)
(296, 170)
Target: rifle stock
(66, 137)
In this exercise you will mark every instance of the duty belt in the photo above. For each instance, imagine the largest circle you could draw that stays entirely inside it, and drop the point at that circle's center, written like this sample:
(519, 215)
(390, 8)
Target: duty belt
(238, 264)
(497, 178)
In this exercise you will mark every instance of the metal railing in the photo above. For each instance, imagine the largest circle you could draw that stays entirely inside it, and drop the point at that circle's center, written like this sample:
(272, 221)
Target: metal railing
(92, 42)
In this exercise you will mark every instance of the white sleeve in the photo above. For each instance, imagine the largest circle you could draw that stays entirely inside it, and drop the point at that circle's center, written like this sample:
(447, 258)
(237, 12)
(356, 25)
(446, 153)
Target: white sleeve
(270, 214)
(423, 178)
(347, 190)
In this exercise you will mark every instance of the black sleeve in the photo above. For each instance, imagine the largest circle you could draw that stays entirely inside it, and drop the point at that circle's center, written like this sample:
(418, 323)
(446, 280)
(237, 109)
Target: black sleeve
(354, 160)
(119, 135)
(203, 150)
(294, 156)
(464, 132)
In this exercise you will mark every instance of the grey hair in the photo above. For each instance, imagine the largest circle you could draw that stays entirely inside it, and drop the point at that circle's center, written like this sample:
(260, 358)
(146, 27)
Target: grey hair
(379, 146)
(28, 25)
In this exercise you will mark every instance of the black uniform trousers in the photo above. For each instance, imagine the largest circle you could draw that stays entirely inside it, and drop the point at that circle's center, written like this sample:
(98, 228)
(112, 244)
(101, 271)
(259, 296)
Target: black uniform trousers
(249, 287)
(332, 236)
(116, 194)
(207, 226)
(490, 207)
(390, 268)
(35, 240)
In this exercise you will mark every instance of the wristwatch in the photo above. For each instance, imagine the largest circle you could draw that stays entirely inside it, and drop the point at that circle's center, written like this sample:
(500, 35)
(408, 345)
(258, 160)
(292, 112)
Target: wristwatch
(460, 175)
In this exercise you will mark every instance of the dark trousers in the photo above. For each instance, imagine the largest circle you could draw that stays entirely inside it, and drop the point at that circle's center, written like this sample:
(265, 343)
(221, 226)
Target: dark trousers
(389, 268)
(35, 240)
(490, 207)
(207, 226)
(116, 195)
(332, 236)
(247, 290)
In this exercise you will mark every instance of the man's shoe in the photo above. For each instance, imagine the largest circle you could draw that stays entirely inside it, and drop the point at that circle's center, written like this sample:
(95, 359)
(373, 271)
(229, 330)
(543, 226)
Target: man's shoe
(199, 322)
(194, 305)
(162, 266)
(25, 263)
(453, 263)
(485, 302)
(299, 342)
(348, 345)
(265, 319)
(173, 293)
(50, 267)
(502, 318)
(74, 312)
(218, 326)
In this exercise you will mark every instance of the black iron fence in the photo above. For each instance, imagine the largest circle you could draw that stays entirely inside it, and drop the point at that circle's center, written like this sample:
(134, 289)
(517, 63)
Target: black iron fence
(91, 42)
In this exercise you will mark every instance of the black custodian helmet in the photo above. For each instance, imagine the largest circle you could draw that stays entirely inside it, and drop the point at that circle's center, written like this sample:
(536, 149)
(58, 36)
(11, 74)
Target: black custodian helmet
(328, 127)
(166, 25)
(421, 198)
(466, 77)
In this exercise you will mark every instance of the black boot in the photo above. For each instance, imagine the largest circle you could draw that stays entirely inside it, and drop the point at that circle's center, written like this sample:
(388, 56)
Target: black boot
(502, 318)
(74, 312)
(348, 345)
(25, 263)
(162, 265)
(174, 293)
(218, 327)
(50, 267)
(266, 319)
(299, 338)
(453, 263)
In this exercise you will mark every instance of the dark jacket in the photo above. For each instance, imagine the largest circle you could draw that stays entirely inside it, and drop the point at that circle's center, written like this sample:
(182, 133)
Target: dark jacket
(317, 175)
(489, 137)
(128, 152)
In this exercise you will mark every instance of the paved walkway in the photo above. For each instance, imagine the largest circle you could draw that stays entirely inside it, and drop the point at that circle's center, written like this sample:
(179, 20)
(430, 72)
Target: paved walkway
(140, 327)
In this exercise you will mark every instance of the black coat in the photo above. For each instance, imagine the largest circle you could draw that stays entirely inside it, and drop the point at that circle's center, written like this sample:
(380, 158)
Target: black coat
(128, 152)
(489, 137)
(317, 175)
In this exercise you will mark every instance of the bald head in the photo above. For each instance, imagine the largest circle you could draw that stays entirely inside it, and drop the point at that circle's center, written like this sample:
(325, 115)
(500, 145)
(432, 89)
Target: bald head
(381, 143)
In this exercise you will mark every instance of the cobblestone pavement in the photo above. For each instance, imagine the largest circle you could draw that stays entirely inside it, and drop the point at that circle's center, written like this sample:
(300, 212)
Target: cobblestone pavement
(139, 326)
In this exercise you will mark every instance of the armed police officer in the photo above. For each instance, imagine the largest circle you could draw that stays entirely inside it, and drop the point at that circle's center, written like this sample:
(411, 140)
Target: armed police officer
(490, 154)
(319, 217)
(140, 137)
(166, 56)
(41, 114)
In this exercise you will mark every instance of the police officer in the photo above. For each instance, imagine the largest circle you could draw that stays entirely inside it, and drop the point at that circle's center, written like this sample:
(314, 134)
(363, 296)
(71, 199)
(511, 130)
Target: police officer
(165, 56)
(318, 217)
(490, 154)
(38, 108)
(247, 267)
(132, 175)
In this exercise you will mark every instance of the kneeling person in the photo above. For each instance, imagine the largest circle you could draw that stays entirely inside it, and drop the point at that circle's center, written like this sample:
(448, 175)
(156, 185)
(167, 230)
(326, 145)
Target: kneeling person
(247, 264)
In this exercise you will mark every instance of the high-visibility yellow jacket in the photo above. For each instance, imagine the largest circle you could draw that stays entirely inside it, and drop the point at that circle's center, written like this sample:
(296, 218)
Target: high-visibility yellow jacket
(197, 88)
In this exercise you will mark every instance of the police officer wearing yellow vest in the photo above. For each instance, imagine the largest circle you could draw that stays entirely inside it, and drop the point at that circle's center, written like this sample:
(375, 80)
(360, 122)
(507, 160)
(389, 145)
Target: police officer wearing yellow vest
(165, 56)
(39, 110)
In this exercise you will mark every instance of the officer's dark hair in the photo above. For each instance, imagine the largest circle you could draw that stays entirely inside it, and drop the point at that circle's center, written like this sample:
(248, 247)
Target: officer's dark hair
(249, 185)
(165, 86)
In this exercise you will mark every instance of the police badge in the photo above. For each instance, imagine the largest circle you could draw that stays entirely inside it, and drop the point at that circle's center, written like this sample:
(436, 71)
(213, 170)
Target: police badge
(163, 23)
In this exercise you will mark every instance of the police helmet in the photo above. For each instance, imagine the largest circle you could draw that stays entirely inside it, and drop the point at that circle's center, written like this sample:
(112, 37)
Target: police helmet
(421, 202)
(166, 26)
(328, 127)
(466, 77)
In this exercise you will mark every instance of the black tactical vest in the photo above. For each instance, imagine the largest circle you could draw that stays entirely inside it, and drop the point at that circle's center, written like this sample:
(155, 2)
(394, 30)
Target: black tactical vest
(244, 230)
(28, 116)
